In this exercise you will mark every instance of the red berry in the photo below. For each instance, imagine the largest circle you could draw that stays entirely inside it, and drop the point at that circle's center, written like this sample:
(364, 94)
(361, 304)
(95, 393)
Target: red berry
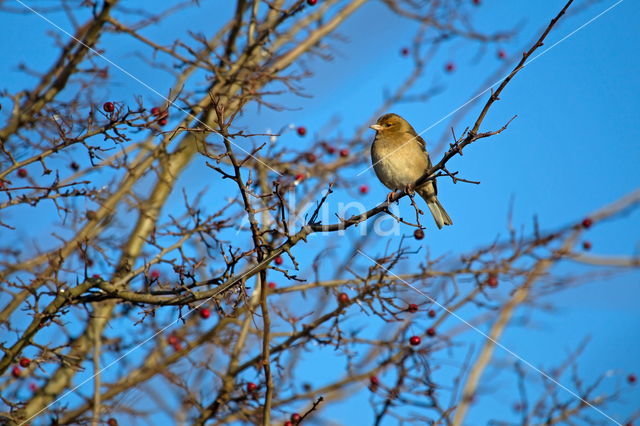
(74, 166)
(302, 130)
(312, 2)
(16, 371)
(450, 67)
(173, 339)
(344, 152)
(278, 260)
(587, 222)
(413, 308)
(177, 346)
(205, 313)
(404, 51)
(310, 157)
(155, 274)
(108, 107)
(155, 111)
(288, 423)
(418, 234)
(24, 362)
(586, 245)
(431, 331)
(97, 276)
(330, 149)
(22, 173)
(476, 2)
(363, 189)
(33, 387)
(502, 54)
(414, 340)
(343, 298)
(299, 177)
(492, 280)
(112, 422)
(374, 380)
(631, 378)
(163, 122)
(295, 418)
(271, 285)
(251, 387)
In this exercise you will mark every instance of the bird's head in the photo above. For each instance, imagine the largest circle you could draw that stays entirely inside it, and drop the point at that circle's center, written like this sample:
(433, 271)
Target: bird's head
(391, 123)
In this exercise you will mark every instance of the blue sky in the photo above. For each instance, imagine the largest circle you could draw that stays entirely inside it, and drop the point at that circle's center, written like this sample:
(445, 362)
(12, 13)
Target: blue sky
(572, 149)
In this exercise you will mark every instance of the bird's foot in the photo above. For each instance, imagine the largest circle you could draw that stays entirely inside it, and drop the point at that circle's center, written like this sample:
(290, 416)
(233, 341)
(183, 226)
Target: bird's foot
(390, 196)
(409, 189)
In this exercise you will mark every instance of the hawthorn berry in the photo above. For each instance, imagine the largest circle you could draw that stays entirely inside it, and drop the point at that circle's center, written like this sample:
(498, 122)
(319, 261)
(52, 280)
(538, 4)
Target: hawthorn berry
(631, 378)
(163, 122)
(586, 245)
(112, 422)
(492, 280)
(205, 313)
(413, 308)
(404, 51)
(295, 418)
(288, 422)
(301, 131)
(431, 331)
(173, 339)
(344, 152)
(23, 173)
(16, 371)
(502, 54)
(312, 2)
(330, 149)
(108, 107)
(418, 234)
(299, 177)
(450, 67)
(374, 380)
(155, 111)
(476, 2)
(271, 285)
(587, 222)
(278, 260)
(33, 387)
(363, 189)
(251, 387)
(343, 298)
(414, 340)
(74, 166)
(310, 157)
(25, 362)
(155, 274)
(431, 313)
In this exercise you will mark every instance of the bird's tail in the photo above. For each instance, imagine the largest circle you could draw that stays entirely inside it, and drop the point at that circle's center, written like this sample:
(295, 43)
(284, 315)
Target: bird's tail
(438, 212)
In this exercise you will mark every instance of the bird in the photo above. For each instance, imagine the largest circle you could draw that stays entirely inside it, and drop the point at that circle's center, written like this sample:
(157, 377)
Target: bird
(399, 157)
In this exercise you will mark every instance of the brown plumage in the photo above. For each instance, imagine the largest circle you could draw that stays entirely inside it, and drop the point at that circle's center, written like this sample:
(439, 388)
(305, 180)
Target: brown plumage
(400, 158)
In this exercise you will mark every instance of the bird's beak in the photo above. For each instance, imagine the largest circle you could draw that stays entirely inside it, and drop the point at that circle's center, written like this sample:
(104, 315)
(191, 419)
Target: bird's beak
(376, 127)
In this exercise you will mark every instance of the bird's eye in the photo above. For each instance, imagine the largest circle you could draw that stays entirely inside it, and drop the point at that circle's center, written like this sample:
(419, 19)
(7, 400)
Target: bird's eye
(387, 124)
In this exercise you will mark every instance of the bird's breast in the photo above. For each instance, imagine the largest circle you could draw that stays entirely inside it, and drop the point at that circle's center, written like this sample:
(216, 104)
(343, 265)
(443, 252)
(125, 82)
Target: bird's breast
(398, 164)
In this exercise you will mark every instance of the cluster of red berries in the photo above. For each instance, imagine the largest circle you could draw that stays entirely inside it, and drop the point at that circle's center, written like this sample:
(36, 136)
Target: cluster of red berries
(175, 342)
(295, 417)
(16, 371)
(161, 115)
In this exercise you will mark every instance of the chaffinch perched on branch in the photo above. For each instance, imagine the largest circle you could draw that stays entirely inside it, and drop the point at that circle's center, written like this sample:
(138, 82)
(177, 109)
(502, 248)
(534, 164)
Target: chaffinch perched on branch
(400, 158)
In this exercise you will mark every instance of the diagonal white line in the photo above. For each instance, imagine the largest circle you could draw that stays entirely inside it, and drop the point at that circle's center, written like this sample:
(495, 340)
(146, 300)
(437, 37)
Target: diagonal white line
(106, 367)
(500, 345)
(127, 73)
(590, 21)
